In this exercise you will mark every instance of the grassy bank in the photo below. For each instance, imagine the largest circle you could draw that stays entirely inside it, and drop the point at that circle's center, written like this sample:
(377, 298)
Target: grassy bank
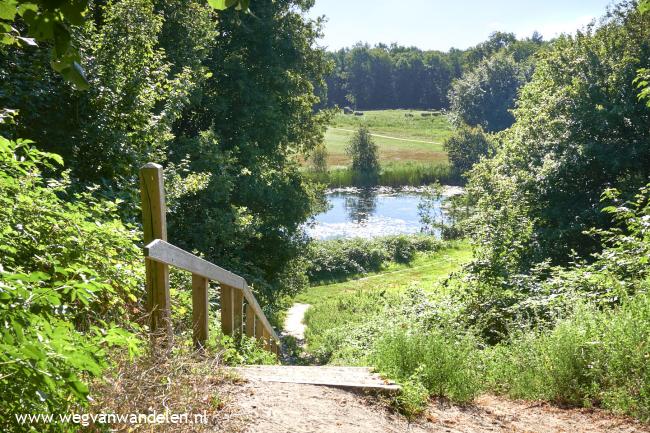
(393, 174)
(425, 270)
(357, 305)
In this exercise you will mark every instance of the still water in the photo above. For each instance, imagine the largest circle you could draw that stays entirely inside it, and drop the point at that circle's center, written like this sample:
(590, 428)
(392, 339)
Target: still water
(369, 213)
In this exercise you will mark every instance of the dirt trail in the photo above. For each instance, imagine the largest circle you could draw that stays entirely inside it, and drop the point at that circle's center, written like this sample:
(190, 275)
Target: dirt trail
(293, 324)
(278, 407)
(258, 407)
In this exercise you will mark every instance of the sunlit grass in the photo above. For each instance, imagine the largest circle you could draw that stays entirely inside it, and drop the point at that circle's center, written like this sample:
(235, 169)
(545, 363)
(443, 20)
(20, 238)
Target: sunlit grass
(414, 137)
(394, 174)
(424, 271)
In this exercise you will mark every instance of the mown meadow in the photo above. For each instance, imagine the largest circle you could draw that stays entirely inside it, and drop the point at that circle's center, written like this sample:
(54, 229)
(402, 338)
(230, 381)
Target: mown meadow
(409, 148)
(402, 135)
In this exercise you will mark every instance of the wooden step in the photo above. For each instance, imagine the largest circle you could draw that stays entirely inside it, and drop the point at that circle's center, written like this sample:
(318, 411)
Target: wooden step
(344, 377)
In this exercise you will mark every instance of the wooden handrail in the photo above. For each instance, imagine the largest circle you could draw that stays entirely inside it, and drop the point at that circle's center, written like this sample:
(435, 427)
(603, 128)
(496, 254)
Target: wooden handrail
(159, 255)
(164, 252)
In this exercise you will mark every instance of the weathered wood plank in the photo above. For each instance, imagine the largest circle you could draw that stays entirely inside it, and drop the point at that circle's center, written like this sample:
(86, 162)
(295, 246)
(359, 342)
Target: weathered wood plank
(227, 325)
(199, 309)
(266, 337)
(259, 329)
(154, 225)
(250, 321)
(237, 312)
(162, 251)
(262, 321)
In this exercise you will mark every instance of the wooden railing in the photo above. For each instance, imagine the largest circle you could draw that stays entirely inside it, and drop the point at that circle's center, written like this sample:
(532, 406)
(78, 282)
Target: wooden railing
(240, 312)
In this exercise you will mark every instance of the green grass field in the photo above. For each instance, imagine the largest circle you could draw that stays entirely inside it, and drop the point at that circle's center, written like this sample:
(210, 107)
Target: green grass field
(341, 311)
(402, 135)
(425, 271)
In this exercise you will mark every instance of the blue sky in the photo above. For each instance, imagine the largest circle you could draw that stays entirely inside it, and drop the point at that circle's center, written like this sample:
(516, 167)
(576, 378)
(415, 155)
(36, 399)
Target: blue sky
(440, 25)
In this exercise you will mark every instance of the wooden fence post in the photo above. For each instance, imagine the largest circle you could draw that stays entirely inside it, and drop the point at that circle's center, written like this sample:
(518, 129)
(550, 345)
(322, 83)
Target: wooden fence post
(250, 321)
(238, 310)
(259, 329)
(154, 226)
(199, 310)
(227, 324)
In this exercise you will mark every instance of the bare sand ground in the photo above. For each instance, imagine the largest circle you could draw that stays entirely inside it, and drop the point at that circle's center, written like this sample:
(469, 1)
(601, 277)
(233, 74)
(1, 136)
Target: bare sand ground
(296, 408)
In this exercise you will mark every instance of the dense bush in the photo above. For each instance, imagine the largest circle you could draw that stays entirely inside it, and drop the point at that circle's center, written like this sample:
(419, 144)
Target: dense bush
(467, 146)
(441, 360)
(341, 258)
(539, 297)
(70, 282)
(593, 357)
(580, 128)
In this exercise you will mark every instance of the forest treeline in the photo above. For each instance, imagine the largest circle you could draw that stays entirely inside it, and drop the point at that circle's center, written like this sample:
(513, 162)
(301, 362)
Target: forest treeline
(394, 76)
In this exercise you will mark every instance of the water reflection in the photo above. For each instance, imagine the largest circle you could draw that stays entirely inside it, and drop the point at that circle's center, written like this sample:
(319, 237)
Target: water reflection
(368, 213)
(361, 206)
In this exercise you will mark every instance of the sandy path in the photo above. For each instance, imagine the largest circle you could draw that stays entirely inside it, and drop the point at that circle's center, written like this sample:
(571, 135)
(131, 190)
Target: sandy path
(293, 324)
(295, 408)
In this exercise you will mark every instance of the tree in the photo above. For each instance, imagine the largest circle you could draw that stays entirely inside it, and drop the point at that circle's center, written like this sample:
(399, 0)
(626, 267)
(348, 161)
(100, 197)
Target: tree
(642, 80)
(124, 119)
(49, 21)
(360, 81)
(580, 128)
(467, 146)
(485, 95)
(319, 159)
(409, 77)
(364, 153)
(245, 128)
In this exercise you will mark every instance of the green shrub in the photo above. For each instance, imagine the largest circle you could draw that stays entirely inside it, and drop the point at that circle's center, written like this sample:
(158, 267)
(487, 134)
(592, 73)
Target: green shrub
(496, 301)
(70, 281)
(341, 258)
(467, 146)
(594, 357)
(442, 360)
(364, 153)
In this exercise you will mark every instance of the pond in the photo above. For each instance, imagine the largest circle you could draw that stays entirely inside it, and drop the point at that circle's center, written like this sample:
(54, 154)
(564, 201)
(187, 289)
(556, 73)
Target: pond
(369, 213)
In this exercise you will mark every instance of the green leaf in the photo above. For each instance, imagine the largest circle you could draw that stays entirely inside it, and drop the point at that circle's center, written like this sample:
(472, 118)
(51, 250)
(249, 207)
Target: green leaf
(8, 9)
(72, 72)
(74, 11)
(644, 6)
(24, 7)
(55, 157)
(61, 40)
(218, 4)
